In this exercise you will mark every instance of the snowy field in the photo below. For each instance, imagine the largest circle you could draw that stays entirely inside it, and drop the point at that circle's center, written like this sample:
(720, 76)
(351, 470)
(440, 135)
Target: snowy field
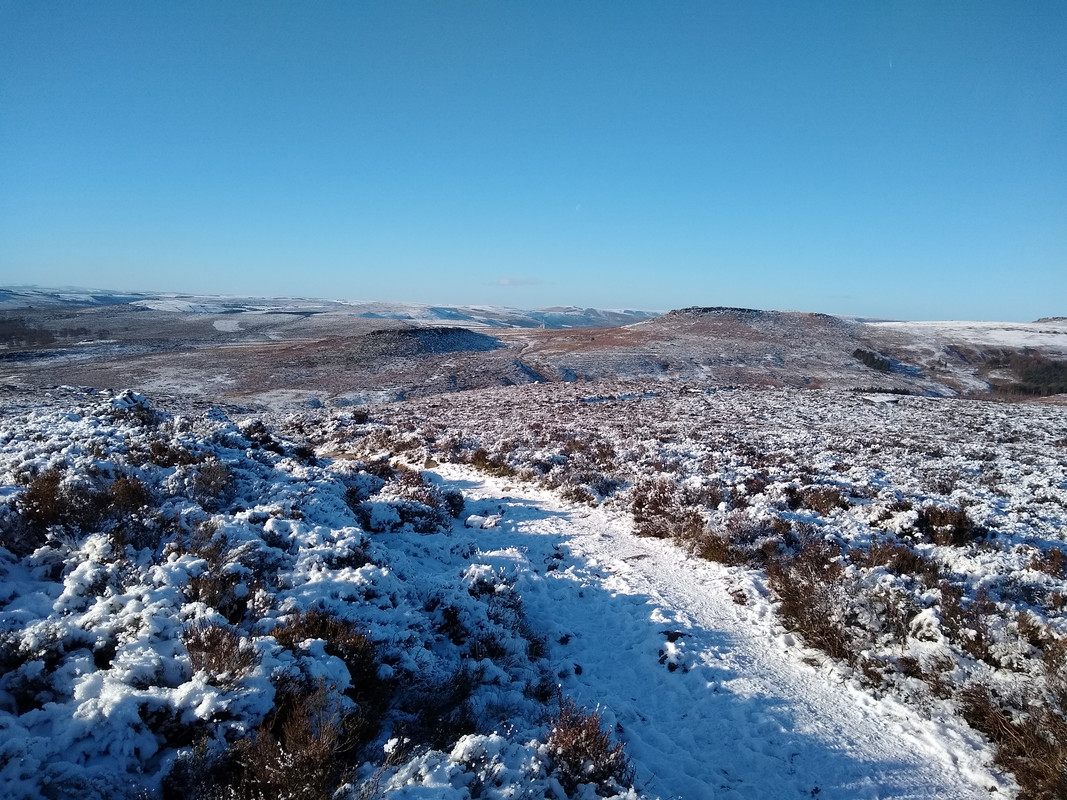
(534, 592)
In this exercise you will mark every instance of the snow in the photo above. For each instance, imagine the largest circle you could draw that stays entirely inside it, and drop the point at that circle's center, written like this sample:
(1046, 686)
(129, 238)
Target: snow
(477, 316)
(181, 305)
(739, 714)
(523, 593)
(1046, 336)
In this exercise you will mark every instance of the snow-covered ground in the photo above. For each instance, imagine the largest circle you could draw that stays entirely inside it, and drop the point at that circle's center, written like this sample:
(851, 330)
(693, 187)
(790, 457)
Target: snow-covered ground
(434, 581)
(920, 543)
(712, 698)
(175, 591)
(1047, 336)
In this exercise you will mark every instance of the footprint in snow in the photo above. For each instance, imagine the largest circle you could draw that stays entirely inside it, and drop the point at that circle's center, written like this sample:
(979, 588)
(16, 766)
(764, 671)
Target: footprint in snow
(674, 654)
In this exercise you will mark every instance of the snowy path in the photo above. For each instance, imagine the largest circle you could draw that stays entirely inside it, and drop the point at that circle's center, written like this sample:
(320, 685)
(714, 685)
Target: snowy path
(711, 698)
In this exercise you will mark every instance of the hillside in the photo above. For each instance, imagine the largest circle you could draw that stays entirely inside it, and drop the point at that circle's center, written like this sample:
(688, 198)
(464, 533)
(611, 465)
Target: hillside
(264, 352)
(778, 348)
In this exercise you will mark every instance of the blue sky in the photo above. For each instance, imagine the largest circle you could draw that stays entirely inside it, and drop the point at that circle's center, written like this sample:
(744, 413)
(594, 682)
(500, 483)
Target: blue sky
(897, 159)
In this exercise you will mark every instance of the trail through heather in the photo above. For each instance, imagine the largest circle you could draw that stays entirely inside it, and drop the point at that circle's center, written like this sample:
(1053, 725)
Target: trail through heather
(686, 660)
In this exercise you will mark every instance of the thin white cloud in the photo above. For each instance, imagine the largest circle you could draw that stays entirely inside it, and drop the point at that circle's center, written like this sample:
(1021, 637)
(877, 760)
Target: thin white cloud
(518, 282)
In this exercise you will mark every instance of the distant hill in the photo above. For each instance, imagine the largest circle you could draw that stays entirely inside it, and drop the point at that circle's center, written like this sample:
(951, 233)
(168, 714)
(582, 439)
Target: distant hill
(292, 350)
(15, 298)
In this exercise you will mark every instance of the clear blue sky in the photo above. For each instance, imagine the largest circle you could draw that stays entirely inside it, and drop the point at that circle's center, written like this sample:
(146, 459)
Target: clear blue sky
(897, 159)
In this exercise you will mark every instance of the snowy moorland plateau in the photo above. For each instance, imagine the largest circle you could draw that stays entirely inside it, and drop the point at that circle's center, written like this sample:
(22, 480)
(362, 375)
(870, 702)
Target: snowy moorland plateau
(562, 590)
(257, 548)
(268, 352)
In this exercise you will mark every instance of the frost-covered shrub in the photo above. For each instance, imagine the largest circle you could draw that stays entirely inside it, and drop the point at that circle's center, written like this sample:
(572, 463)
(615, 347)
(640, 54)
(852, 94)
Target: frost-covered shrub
(17, 534)
(362, 485)
(135, 409)
(1054, 661)
(167, 454)
(381, 469)
(586, 486)
(1053, 563)
(219, 651)
(583, 752)
(210, 481)
(947, 526)
(77, 505)
(898, 558)
(487, 645)
(43, 502)
(814, 592)
(709, 495)
(128, 494)
(491, 464)
(223, 591)
(404, 498)
(575, 493)
(53, 499)
(823, 500)
(440, 710)
(742, 540)
(421, 517)
(27, 665)
(343, 639)
(943, 481)
(713, 545)
(141, 530)
(453, 502)
(1031, 744)
(302, 752)
(220, 584)
(198, 774)
(257, 434)
(967, 621)
(659, 513)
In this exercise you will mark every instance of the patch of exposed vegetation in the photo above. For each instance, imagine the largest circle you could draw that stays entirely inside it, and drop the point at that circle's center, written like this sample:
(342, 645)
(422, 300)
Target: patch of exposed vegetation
(873, 360)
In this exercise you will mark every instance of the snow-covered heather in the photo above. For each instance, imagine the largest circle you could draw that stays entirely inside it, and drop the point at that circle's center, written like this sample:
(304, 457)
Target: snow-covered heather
(920, 542)
(710, 696)
(178, 589)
